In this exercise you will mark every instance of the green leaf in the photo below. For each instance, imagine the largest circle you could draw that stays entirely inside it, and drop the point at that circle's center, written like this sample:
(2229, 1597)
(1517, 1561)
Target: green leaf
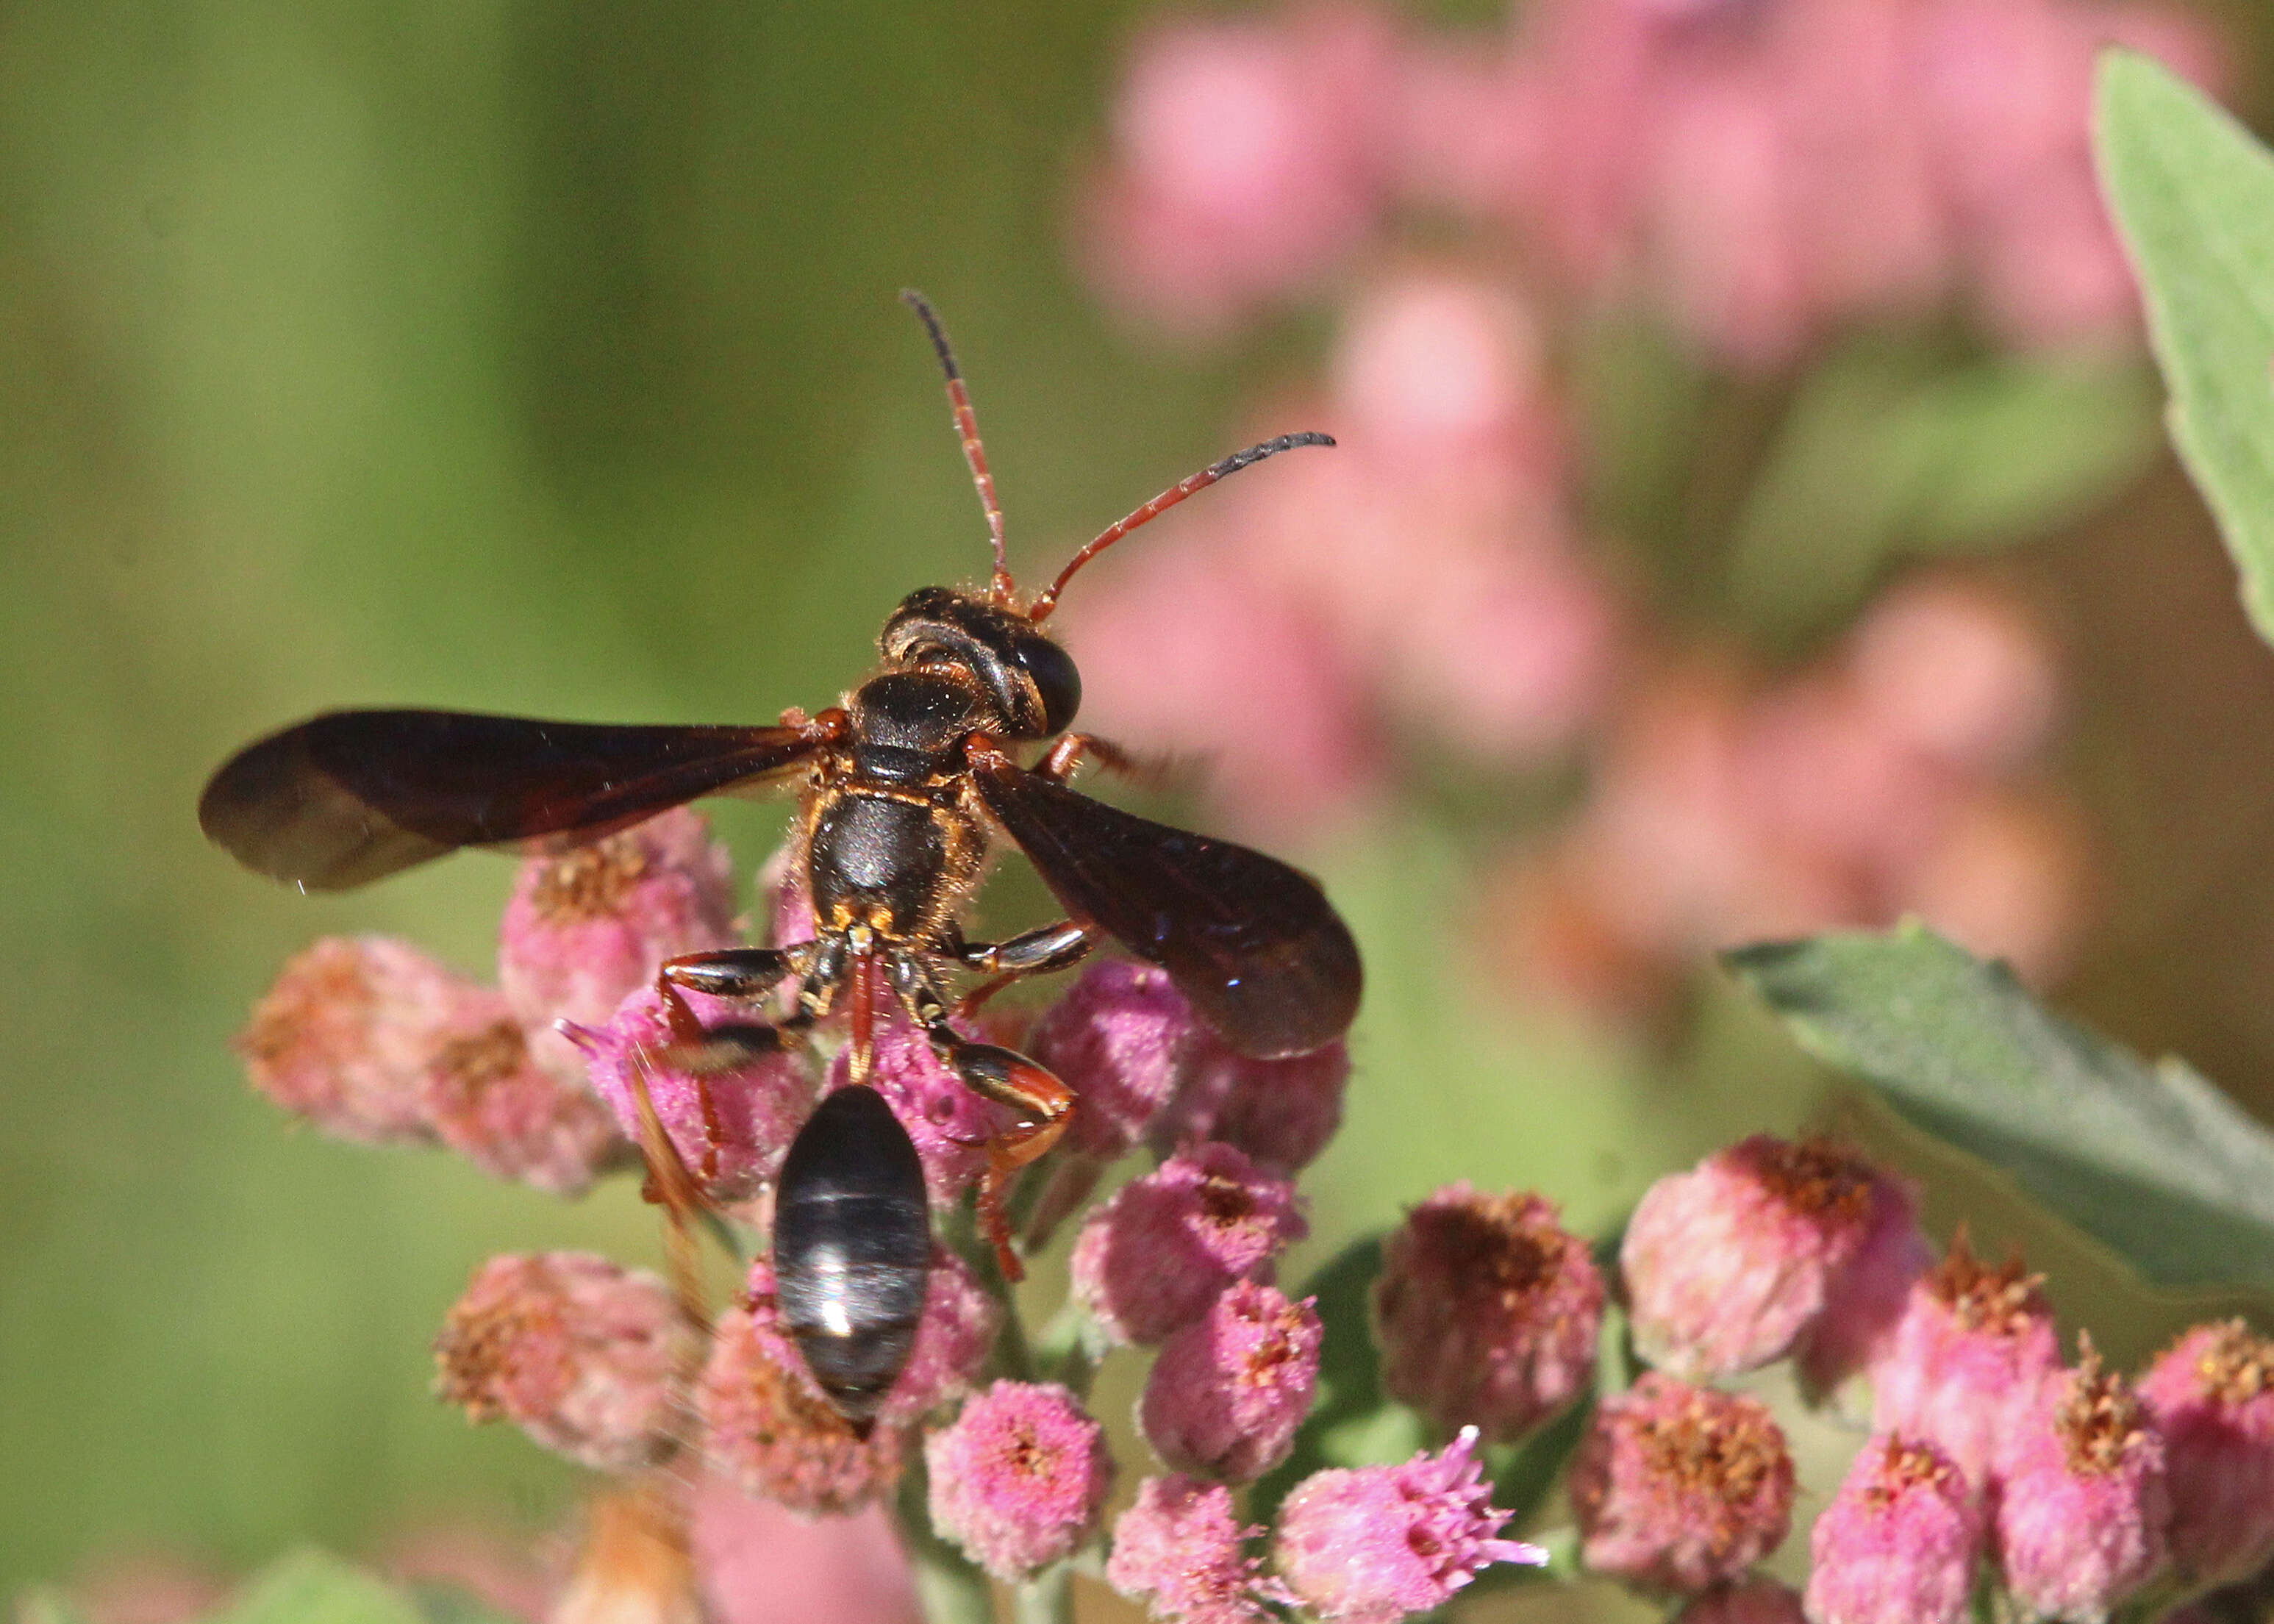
(1884, 453)
(308, 1587)
(2152, 1160)
(2194, 196)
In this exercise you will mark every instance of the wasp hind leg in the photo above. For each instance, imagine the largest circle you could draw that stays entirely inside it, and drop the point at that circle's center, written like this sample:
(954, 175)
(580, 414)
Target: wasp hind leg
(1044, 1104)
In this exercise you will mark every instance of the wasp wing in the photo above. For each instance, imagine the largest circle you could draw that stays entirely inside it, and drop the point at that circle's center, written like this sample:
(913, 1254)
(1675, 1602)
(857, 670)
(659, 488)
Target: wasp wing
(354, 795)
(1252, 942)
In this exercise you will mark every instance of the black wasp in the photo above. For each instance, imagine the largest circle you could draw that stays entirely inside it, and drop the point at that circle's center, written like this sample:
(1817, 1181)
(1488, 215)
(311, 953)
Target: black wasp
(901, 790)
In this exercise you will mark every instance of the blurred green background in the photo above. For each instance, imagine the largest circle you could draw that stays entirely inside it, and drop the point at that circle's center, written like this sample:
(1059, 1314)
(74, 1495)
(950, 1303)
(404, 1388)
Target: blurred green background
(546, 359)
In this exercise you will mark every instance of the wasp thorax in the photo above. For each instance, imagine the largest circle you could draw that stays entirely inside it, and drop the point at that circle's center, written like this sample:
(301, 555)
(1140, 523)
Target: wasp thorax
(1031, 682)
(908, 724)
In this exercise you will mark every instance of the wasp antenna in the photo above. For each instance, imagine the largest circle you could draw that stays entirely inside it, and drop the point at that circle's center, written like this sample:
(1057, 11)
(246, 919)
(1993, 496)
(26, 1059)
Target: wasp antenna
(967, 425)
(1048, 599)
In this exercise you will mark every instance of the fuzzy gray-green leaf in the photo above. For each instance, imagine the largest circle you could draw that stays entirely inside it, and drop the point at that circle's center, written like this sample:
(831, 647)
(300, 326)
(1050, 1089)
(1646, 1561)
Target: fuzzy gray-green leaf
(2152, 1159)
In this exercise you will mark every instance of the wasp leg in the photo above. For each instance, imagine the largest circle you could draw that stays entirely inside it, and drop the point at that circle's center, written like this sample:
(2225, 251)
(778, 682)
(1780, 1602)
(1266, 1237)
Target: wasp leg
(733, 972)
(1044, 1104)
(704, 1052)
(1031, 952)
(1058, 762)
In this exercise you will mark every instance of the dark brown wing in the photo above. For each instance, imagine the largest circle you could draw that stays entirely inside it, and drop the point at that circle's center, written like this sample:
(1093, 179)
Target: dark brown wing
(354, 795)
(1254, 944)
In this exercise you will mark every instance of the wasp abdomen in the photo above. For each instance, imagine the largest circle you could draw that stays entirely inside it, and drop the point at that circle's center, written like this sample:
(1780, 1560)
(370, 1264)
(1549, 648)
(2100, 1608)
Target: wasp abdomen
(852, 1248)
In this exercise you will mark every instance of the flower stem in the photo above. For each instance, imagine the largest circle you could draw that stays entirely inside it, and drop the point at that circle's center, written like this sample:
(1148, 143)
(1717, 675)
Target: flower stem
(951, 1588)
(1047, 1598)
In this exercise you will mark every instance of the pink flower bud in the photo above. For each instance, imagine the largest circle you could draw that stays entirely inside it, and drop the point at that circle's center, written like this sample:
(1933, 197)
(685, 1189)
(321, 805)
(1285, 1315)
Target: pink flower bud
(1281, 1112)
(1018, 1479)
(1898, 1542)
(1864, 1302)
(2211, 1393)
(949, 1124)
(1152, 1258)
(1120, 1039)
(767, 1429)
(1681, 1488)
(491, 1103)
(1181, 1548)
(2083, 1504)
(588, 926)
(582, 1355)
(1228, 1391)
(1753, 1601)
(731, 1122)
(1727, 1267)
(1487, 1311)
(1967, 1361)
(345, 1036)
(1372, 1544)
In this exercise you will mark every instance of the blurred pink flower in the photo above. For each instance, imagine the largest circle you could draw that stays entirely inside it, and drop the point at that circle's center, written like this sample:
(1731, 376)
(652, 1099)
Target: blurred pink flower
(1184, 654)
(762, 1563)
(1955, 671)
(1878, 783)
(1423, 577)
(1247, 158)
(1768, 169)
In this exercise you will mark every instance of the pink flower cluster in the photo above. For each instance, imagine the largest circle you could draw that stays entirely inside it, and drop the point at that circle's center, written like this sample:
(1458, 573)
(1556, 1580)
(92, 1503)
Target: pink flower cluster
(1758, 168)
(1422, 582)
(2074, 1488)
(1893, 777)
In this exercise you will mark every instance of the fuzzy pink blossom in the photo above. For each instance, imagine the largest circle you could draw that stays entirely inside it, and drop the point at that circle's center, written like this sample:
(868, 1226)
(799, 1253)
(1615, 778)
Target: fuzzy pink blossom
(588, 926)
(1019, 1478)
(949, 1124)
(1679, 1488)
(2083, 1506)
(1282, 1113)
(1487, 1311)
(730, 1119)
(1118, 1037)
(1372, 1543)
(2211, 1393)
(1225, 1396)
(1865, 1302)
(489, 1099)
(760, 1562)
(578, 1353)
(1899, 1541)
(1182, 1549)
(1729, 1266)
(345, 1036)
(1967, 1364)
(1153, 1258)
(768, 1429)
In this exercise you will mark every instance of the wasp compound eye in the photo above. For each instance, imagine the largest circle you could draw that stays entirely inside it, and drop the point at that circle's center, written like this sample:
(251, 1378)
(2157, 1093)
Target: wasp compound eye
(852, 1247)
(1056, 683)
